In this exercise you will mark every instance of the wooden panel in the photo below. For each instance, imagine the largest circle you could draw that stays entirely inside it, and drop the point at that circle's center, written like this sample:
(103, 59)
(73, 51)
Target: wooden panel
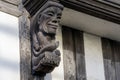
(116, 52)
(106, 10)
(9, 8)
(74, 58)
(114, 1)
(14, 2)
(69, 55)
(80, 57)
(111, 54)
(32, 6)
(25, 50)
(108, 60)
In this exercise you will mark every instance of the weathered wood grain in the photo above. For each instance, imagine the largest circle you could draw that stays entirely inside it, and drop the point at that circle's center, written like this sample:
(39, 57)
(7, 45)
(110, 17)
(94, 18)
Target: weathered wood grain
(14, 2)
(111, 54)
(116, 52)
(9, 8)
(74, 57)
(69, 55)
(80, 56)
(25, 48)
(109, 66)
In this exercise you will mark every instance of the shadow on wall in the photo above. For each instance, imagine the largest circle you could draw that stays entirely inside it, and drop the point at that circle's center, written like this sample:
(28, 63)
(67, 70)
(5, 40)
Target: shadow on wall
(7, 30)
(9, 47)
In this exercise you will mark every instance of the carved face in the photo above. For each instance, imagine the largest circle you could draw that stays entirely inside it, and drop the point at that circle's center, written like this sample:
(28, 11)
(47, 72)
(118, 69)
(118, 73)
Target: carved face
(49, 19)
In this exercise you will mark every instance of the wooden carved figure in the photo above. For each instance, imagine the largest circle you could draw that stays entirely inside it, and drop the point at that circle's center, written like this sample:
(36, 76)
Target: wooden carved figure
(45, 56)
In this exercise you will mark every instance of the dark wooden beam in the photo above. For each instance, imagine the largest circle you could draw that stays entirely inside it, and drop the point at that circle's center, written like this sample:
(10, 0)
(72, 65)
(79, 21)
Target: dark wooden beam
(10, 8)
(32, 6)
(74, 57)
(111, 56)
(79, 55)
(13, 2)
(104, 9)
(69, 54)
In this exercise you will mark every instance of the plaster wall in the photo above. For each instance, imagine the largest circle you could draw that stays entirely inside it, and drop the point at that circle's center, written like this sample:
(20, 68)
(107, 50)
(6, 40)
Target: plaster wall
(93, 57)
(9, 47)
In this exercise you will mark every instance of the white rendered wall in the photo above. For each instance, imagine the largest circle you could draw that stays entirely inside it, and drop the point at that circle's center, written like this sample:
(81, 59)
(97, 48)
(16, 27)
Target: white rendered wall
(93, 57)
(9, 47)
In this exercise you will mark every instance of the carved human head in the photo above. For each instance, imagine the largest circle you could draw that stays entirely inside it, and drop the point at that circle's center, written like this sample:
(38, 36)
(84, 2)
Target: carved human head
(48, 18)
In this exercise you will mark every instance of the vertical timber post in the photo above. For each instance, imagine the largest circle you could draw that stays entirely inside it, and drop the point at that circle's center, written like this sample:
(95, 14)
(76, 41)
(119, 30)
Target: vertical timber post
(25, 49)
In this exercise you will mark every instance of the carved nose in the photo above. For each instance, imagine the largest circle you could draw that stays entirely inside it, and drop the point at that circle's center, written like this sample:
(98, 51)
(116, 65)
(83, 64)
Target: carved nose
(55, 21)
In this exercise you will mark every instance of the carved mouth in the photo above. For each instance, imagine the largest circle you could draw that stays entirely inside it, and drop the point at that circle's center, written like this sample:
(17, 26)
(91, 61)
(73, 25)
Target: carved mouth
(53, 25)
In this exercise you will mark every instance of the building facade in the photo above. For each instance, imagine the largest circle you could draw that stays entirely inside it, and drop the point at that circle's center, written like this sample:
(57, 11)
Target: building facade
(89, 40)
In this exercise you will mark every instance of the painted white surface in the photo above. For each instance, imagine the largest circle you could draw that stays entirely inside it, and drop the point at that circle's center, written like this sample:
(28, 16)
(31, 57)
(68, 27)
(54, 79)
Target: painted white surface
(93, 57)
(90, 24)
(9, 48)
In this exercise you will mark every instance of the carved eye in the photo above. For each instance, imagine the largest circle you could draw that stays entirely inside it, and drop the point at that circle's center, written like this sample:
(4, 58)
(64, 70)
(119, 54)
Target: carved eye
(59, 16)
(50, 13)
